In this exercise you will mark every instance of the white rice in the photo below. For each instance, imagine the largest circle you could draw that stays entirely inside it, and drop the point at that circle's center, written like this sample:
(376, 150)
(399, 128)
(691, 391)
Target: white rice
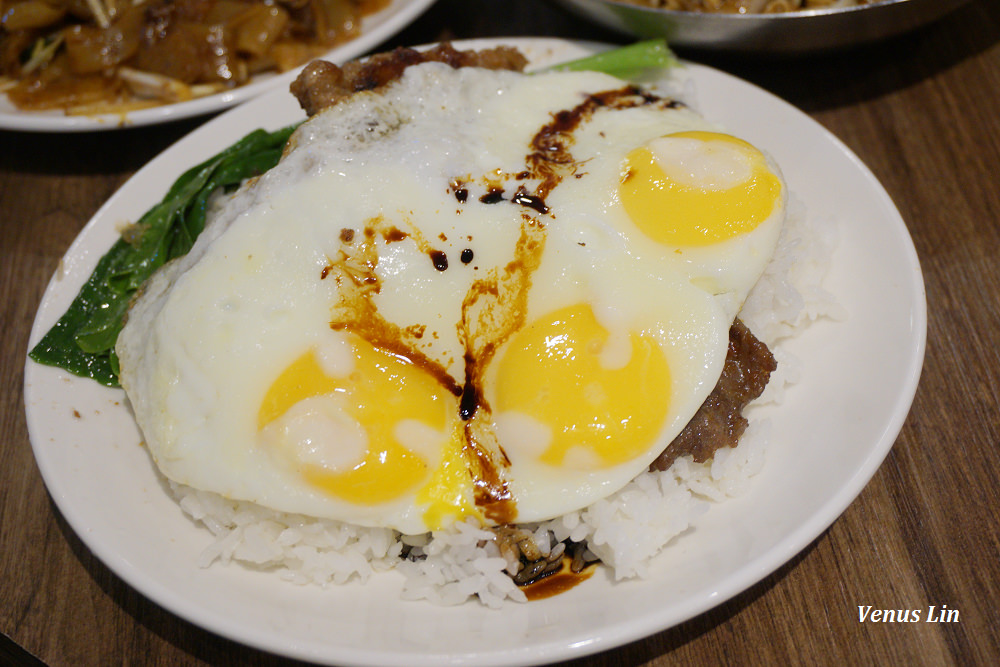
(625, 530)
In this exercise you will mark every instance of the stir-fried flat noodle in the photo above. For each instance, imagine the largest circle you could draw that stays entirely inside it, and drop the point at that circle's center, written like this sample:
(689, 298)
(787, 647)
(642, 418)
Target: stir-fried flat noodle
(106, 56)
(745, 6)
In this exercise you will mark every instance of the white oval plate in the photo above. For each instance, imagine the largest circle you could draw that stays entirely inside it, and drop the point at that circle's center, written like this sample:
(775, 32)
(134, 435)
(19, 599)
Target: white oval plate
(828, 438)
(375, 29)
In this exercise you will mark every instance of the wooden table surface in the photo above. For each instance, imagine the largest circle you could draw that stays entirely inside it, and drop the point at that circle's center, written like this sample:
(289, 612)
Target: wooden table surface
(921, 110)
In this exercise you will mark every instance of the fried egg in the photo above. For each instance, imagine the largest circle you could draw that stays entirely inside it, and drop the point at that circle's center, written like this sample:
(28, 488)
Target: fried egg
(473, 294)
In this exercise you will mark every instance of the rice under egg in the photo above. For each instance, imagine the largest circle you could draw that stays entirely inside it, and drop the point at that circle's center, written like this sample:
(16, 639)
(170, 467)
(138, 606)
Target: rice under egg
(474, 295)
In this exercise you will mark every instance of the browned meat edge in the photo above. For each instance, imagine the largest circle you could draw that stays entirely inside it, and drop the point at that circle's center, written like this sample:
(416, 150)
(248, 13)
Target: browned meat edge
(322, 84)
(719, 422)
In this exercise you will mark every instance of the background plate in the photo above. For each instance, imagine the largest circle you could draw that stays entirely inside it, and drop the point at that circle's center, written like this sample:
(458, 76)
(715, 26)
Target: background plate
(828, 438)
(374, 29)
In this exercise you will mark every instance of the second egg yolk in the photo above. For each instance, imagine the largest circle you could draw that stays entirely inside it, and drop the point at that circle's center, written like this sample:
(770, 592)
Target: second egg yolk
(598, 417)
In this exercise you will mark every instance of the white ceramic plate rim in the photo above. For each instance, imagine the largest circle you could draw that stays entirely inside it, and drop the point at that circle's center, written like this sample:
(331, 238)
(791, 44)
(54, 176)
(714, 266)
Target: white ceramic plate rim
(833, 431)
(376, 28)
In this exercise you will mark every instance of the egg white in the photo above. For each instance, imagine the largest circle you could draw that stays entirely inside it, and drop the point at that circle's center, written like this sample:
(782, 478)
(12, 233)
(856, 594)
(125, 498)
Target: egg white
(213, 330)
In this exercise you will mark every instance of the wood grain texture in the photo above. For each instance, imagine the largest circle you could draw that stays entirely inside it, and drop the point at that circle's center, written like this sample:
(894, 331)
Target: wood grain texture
(922, 111)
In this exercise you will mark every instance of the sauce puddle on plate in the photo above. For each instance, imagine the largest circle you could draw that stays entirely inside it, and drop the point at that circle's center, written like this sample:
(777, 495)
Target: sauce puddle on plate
(558, 582)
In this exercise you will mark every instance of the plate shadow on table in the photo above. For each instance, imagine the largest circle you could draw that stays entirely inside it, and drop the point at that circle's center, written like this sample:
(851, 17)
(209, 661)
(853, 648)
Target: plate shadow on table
(460, 19)
(119, 151)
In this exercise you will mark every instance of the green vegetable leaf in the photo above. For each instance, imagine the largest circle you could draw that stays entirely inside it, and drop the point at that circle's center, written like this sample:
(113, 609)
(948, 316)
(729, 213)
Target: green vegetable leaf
(82, 341)
(627, 62)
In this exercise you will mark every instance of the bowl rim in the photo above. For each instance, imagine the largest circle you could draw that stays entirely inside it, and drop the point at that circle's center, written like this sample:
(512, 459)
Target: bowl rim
(758, 17)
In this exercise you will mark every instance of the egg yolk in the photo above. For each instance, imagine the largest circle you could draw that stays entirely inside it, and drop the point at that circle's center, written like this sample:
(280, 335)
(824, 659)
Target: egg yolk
(713, 187)
(448, 495)
(554, 372)
(381, 391)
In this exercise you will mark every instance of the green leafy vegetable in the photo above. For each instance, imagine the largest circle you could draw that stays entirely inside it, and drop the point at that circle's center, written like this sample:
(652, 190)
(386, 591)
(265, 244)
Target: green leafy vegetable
(82, 341)
(627, 62)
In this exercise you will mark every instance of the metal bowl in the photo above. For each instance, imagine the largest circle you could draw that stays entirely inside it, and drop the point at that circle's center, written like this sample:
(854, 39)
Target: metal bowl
(785, 33)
